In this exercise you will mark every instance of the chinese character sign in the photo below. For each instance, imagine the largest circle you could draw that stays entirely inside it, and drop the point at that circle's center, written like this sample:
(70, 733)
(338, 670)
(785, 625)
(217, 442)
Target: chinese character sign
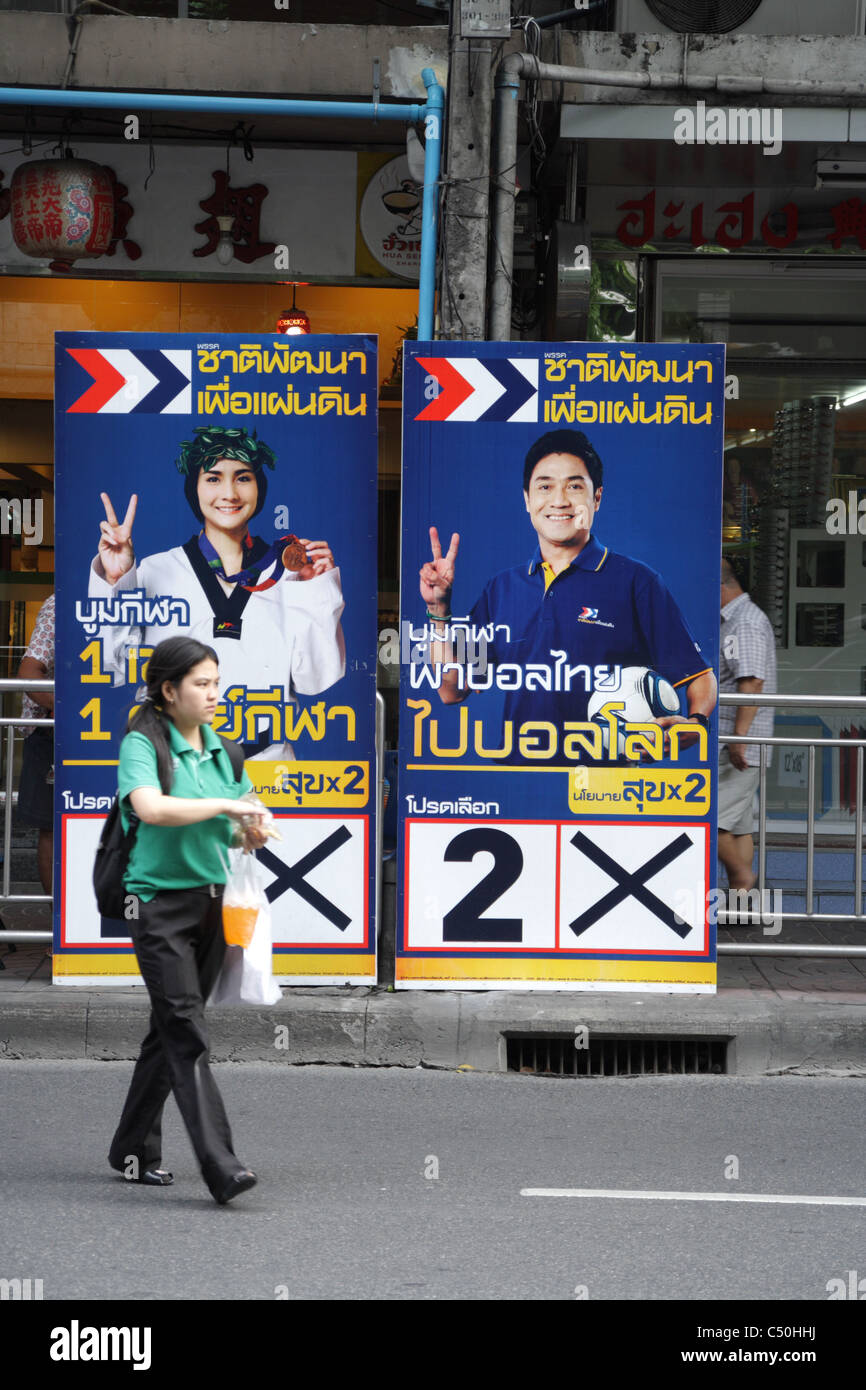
(245, 206)
(560, 620)
(226, 490)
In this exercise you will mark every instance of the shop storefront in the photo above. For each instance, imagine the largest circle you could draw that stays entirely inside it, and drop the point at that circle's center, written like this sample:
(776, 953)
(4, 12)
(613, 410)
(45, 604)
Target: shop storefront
(764, 254)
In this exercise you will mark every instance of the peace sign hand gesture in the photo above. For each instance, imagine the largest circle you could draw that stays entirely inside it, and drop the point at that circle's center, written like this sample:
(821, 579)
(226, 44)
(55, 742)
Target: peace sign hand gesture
(437, 575)
(115, 540)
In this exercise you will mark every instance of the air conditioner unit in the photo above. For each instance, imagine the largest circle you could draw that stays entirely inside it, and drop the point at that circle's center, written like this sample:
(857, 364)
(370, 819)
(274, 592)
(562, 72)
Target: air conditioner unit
(774, 17)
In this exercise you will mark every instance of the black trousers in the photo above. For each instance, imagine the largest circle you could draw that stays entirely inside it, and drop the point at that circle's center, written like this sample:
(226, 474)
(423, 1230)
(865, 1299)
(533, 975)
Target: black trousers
(179, 943)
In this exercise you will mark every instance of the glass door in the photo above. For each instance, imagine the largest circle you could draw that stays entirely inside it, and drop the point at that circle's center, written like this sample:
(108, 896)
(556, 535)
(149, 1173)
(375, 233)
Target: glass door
(795, 478)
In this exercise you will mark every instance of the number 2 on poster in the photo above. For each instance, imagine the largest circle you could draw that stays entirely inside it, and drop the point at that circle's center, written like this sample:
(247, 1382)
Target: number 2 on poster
(460, 876)
(463, 922)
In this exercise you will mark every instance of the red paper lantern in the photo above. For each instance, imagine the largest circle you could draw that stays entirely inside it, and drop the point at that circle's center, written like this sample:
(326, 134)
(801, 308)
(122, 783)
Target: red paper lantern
(294, 321)
(62, 209)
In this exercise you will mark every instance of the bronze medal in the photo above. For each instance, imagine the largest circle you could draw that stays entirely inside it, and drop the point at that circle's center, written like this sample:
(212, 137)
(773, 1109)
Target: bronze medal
(294, 555)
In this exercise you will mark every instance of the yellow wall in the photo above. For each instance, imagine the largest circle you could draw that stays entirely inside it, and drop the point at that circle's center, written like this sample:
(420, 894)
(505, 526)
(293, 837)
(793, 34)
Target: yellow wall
(32, 309)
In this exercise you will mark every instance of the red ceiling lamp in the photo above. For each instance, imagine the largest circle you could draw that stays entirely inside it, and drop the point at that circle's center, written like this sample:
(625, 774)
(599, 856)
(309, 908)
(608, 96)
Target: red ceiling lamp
(294, 321)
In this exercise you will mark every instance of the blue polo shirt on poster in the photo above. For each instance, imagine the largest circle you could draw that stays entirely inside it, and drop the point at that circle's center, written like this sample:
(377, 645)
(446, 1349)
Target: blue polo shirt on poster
(603, 610)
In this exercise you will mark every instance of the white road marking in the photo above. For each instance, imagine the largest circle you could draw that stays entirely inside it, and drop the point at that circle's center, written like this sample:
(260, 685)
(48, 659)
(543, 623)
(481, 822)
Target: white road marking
(637, 1196)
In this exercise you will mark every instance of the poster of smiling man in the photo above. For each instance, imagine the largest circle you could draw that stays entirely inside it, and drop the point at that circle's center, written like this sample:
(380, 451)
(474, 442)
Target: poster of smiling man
(223, 489)
(560, 618)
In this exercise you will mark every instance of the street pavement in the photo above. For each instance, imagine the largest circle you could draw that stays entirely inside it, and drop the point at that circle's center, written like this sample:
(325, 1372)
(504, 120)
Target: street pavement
(786, 1015)
(406, 1184)
(777, 1014)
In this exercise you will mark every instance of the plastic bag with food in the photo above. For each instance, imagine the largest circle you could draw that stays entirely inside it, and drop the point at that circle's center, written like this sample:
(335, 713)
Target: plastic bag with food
(243, 898)
(246, 976)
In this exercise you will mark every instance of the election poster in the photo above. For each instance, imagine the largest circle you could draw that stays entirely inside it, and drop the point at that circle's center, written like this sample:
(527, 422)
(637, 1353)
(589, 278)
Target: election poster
(241, 471)
(559, 657)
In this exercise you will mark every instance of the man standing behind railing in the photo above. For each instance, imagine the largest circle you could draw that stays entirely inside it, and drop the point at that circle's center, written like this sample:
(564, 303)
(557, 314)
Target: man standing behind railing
(747, 666)
(36, 787)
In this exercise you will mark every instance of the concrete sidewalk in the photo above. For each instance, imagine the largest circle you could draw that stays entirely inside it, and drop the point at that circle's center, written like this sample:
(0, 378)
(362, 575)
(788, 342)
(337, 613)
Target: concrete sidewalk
(779, 1015)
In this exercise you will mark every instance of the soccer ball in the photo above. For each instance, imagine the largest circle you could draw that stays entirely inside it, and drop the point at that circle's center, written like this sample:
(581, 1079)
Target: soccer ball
(646, 695)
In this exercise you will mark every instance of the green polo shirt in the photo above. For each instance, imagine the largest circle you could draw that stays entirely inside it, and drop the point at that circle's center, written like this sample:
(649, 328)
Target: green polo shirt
(173, 856)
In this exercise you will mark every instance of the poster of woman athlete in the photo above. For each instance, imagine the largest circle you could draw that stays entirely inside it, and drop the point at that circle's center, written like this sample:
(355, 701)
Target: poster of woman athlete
(560, 619)
(224, 489)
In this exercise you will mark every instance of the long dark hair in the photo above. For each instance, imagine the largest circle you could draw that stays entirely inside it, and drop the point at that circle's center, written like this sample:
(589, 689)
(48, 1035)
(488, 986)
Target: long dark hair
(171, 661)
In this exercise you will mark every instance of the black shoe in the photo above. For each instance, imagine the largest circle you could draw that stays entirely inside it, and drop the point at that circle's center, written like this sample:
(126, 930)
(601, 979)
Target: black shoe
(151, 1177)
(241, 1181)
(155, 1177)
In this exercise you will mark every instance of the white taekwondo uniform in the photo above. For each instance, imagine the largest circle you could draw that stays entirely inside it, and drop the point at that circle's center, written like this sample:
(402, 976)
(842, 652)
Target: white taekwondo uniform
(289, 635)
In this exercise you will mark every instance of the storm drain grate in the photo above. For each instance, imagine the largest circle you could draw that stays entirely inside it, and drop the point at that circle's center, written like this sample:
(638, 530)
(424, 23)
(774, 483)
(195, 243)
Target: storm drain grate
(562, 1056)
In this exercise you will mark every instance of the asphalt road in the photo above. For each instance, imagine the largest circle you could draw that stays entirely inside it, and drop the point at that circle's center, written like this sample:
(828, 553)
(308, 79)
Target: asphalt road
(344, 1210)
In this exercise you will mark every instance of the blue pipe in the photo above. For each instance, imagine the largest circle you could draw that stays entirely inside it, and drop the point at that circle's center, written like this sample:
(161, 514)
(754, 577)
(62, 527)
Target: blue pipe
(430, 206)
(233, 106)
(430, 112)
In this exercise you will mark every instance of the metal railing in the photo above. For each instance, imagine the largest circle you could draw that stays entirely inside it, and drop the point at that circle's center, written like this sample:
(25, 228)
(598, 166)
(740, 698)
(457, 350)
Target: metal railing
(739, 917)
(380, 801)
(757, 918)
(10, 724)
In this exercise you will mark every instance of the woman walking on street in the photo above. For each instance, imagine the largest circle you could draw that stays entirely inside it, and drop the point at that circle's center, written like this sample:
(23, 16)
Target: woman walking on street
(177, 777)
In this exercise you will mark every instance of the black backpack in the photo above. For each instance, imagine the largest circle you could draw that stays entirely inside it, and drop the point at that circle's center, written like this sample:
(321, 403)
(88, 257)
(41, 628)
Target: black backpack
(115, 847)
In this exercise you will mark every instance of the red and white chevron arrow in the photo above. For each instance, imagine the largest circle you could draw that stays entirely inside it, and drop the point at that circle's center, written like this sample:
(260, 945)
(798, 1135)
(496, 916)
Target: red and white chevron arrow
(503, 389)
(121, 381)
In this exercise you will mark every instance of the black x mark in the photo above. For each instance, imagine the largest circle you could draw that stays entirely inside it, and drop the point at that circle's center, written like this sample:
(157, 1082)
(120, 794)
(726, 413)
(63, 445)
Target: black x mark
(293, 876)
(630, 885)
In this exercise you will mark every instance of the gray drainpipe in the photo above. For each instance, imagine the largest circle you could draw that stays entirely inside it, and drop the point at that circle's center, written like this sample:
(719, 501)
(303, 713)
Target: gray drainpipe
(524, 65)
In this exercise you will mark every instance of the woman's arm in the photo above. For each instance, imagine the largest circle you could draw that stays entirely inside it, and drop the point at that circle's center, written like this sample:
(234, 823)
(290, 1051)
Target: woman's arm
(152, 807)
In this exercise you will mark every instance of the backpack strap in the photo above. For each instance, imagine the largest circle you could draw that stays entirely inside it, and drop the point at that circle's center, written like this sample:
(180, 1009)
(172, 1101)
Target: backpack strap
(235, 755)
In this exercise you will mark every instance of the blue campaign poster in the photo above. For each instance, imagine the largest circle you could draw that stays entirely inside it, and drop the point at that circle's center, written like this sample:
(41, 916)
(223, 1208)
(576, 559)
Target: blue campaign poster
(186, 440)
(559, 630)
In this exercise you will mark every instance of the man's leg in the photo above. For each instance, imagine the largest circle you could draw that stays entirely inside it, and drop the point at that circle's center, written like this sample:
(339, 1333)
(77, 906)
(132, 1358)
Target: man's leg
(737, 788)
(737, 853)
(45, 859)
(36, 798)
